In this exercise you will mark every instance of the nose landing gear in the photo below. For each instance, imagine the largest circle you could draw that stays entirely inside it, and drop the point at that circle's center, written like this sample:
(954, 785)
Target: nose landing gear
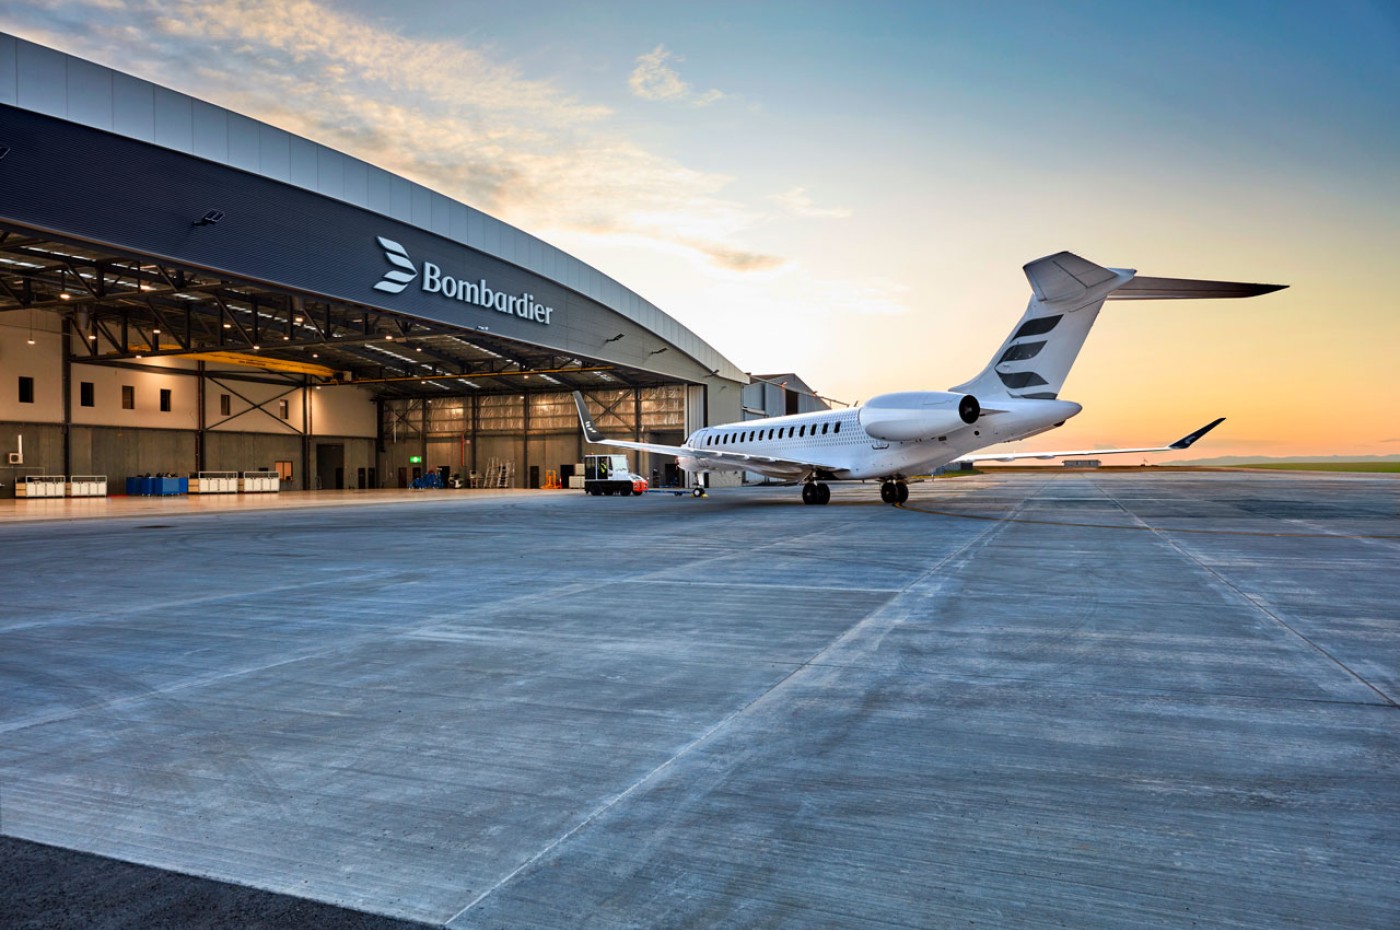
(814, 492)
(894, 492)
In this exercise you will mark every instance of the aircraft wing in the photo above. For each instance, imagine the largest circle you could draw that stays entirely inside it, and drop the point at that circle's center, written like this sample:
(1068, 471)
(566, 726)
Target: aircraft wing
(591, 433)
(1183, 443)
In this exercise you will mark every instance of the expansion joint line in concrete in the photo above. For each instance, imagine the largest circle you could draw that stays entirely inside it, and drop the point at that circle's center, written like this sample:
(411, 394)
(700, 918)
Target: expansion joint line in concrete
(886, 613)
(1254, 602)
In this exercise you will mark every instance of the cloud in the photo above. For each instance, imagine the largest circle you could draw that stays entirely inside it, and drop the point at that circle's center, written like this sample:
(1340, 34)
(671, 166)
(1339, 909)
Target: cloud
(454, 118)
(798, 203)
(653, 79)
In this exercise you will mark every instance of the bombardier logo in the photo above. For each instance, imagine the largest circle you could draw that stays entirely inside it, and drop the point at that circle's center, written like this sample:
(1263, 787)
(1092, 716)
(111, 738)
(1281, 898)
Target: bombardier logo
(477, 292)
(396, 279)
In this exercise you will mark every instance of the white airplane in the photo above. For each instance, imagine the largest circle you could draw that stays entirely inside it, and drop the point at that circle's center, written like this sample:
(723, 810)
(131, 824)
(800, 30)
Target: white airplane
(895, 436)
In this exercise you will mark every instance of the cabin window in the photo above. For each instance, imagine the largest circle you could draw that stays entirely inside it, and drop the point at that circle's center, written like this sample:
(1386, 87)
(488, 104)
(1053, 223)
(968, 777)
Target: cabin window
(838, 427)
(802, 431)
(824, 428)
(770, 434)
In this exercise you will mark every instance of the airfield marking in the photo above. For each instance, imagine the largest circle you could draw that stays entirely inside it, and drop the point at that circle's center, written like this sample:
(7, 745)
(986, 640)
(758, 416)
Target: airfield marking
(1145, 528)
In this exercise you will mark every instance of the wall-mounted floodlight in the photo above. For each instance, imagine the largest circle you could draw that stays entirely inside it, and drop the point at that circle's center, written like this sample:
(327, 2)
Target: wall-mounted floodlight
(484, 329)
(658, 351)
(209, 219)
(614, 338)
(4, 150)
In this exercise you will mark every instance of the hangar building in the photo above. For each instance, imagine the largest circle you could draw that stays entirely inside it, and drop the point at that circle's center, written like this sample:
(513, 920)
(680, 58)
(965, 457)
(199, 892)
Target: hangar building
(184, 289)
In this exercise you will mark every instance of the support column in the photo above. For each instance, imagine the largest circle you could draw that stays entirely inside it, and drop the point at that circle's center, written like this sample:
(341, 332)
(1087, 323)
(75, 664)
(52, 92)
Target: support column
(525, 440)
(306, 432)
(379, 457)
(67, 400)
(637, 427)
(476, 418)
(202, 420)
(423, 436)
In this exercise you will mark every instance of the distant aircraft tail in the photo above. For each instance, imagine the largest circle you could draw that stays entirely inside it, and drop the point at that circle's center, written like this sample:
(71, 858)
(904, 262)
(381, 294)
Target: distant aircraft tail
(1066, 294)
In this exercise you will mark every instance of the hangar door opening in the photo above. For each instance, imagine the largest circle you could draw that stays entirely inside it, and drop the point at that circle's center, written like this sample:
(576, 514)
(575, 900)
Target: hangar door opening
(501, 440)
(330, 466)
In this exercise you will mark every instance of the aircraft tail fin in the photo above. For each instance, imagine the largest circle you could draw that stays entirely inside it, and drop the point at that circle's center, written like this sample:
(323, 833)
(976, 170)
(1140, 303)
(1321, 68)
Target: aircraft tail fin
(1067, 292)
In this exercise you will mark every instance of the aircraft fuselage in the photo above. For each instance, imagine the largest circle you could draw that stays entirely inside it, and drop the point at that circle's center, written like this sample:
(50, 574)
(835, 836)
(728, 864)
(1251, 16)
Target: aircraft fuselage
(836, 440)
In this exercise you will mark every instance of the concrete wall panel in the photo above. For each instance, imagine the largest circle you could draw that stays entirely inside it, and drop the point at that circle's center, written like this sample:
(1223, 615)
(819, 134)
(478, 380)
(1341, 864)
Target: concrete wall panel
(232, 451)
(122, 453)
(133, 107)
(43, 452)
(42, 80)
(9, 70)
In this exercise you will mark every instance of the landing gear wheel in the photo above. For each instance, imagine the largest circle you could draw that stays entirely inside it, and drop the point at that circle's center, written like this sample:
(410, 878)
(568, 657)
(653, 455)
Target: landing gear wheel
(823, 494)
(809, 493)
(887, 492)
(698, 492)
(902, 492)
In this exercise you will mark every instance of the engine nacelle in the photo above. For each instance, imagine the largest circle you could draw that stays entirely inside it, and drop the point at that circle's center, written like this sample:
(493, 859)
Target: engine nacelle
(913, 415)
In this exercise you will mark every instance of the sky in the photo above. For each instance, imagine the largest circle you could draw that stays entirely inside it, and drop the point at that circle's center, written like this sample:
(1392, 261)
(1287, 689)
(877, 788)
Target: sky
(848, 190)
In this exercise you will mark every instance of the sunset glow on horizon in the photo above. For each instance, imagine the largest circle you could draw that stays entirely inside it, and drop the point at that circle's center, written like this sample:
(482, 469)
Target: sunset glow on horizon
(849, 191)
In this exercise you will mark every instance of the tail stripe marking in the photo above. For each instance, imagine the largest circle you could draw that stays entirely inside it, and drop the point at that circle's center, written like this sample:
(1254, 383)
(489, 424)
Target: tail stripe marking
(1020, 379)
(1023, 351)
(1038, 327)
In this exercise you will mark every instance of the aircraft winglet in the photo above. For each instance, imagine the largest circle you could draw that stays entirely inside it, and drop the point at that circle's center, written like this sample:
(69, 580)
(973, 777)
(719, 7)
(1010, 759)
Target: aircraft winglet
(1185, 441)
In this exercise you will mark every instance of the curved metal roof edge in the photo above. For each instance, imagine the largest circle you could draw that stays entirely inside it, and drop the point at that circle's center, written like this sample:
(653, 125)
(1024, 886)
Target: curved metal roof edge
(45, 80)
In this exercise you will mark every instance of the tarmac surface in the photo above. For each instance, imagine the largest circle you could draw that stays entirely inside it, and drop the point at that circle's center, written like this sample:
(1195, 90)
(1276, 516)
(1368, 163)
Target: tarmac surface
(1061, 699)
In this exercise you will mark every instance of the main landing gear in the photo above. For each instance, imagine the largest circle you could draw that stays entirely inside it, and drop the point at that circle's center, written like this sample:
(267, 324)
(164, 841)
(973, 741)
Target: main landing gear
(894, 492)
(814, 492)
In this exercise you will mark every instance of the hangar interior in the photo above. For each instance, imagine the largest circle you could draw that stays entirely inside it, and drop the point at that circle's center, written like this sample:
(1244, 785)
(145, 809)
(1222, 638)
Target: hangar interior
(125, 366)
(184, 289)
